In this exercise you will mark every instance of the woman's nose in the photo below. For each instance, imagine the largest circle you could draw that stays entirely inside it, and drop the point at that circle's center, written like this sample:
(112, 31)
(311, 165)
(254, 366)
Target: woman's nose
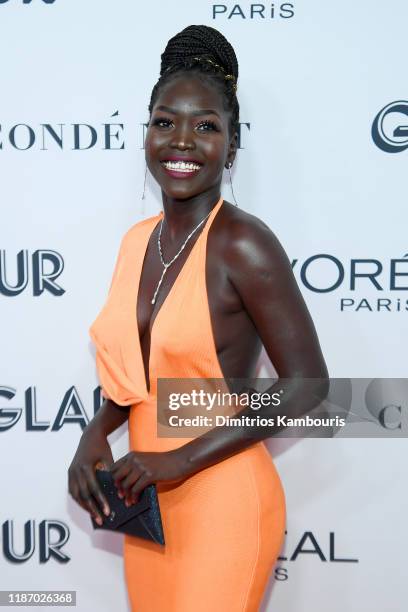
(183, 139)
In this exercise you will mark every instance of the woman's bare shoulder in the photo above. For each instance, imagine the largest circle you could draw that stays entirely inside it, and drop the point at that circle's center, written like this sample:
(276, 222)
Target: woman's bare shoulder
(248, 239)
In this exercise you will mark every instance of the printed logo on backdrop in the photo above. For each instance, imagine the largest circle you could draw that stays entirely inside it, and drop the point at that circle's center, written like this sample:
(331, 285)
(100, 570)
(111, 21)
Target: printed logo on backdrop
(310, 548)
(249, 11)
(36, 274)
(360, 282)
(46, 541)
(69, 410)
(69, 136)
(389, 130)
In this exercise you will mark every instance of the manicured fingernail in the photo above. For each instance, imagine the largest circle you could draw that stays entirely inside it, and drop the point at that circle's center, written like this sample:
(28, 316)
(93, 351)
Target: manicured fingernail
(99, 520)
(106, 511)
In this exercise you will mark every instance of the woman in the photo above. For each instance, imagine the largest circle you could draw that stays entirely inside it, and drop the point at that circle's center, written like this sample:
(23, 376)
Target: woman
(196, 291)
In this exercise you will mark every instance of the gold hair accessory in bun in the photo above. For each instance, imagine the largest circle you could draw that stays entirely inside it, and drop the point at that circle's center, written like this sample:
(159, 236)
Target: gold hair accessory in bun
(226, 76)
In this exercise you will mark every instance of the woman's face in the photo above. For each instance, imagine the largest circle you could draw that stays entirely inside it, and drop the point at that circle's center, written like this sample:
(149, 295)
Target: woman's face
(188, 123)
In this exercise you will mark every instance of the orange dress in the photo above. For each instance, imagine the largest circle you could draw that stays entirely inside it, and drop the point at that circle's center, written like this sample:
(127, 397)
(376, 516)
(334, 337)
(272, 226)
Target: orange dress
(223, 526)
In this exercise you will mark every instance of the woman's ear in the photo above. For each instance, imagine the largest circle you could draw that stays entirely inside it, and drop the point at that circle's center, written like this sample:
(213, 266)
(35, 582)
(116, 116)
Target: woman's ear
(232, 149)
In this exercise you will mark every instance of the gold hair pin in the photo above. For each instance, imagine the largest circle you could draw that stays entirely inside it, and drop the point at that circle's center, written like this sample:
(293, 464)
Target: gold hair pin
(230, 77)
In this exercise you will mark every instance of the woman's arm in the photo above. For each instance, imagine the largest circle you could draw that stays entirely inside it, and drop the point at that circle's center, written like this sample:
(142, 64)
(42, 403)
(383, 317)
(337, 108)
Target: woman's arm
(108, 418)
(261, 273)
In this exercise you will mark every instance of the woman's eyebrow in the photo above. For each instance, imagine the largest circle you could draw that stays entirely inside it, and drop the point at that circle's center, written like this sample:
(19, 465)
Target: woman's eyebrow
(202, 111)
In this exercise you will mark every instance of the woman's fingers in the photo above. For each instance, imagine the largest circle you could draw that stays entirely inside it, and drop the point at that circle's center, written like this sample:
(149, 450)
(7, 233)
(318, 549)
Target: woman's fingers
(137, 468)
(130, 479)
(85, 489)
(121, 472)
(95, 490)
(103, 464)
(120, 463)
(138, 487)
(87, 501)
(125, 471)
(75, 492)
(131, 474)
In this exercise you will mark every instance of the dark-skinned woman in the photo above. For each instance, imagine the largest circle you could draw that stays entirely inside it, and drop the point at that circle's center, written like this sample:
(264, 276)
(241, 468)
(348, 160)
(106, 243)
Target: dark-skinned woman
(196, 291)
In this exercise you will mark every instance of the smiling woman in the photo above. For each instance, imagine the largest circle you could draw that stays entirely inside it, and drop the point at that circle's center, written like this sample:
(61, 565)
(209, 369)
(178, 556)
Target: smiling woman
(197, 290)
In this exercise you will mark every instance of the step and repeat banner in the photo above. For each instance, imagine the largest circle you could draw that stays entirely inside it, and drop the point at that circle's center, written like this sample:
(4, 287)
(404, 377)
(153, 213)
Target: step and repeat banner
(323, 161)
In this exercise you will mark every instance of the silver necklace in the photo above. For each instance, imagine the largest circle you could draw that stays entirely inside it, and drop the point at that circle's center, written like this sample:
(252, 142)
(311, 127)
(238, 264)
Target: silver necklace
(166, 265)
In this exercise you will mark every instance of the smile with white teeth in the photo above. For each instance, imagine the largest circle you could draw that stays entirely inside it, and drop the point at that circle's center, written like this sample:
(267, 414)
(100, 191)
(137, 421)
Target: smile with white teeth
(180, 166)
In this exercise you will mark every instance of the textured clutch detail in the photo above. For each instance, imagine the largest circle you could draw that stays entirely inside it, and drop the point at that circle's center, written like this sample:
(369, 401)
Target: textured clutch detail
(142, 519)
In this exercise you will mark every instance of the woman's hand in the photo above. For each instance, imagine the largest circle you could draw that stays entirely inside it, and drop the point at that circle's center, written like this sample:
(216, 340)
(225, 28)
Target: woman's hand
(136, 470)
(93, 449)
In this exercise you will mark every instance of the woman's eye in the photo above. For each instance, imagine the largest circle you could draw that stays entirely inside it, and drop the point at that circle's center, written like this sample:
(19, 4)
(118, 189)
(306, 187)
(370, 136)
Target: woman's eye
(203, 126)
(161, 120)
(209, 124)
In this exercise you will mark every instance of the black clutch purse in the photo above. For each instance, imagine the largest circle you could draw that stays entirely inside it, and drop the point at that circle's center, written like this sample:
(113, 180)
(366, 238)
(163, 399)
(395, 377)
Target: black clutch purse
(142, 519)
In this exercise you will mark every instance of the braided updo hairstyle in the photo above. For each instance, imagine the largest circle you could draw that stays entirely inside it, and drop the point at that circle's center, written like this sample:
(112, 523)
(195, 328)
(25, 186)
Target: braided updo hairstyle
(216, 62)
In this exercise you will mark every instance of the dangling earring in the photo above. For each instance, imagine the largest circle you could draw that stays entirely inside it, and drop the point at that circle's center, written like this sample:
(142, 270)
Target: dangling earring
(144, 188)
(232, 190)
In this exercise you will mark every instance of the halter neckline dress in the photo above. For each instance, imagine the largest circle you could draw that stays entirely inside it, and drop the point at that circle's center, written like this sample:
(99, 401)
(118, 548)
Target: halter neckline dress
(224, 526)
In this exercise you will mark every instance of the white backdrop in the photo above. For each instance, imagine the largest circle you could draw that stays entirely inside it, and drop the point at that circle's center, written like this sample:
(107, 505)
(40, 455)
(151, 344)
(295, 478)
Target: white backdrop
(313, 78)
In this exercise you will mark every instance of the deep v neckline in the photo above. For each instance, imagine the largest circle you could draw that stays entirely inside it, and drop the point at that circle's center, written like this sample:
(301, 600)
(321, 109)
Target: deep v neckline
(135, 299)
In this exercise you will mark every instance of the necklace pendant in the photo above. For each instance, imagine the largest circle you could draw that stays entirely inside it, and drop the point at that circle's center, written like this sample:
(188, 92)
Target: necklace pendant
(158, 286)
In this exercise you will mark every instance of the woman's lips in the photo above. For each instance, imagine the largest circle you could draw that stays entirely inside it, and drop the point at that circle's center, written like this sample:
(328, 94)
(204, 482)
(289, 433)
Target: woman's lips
(180, 174)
